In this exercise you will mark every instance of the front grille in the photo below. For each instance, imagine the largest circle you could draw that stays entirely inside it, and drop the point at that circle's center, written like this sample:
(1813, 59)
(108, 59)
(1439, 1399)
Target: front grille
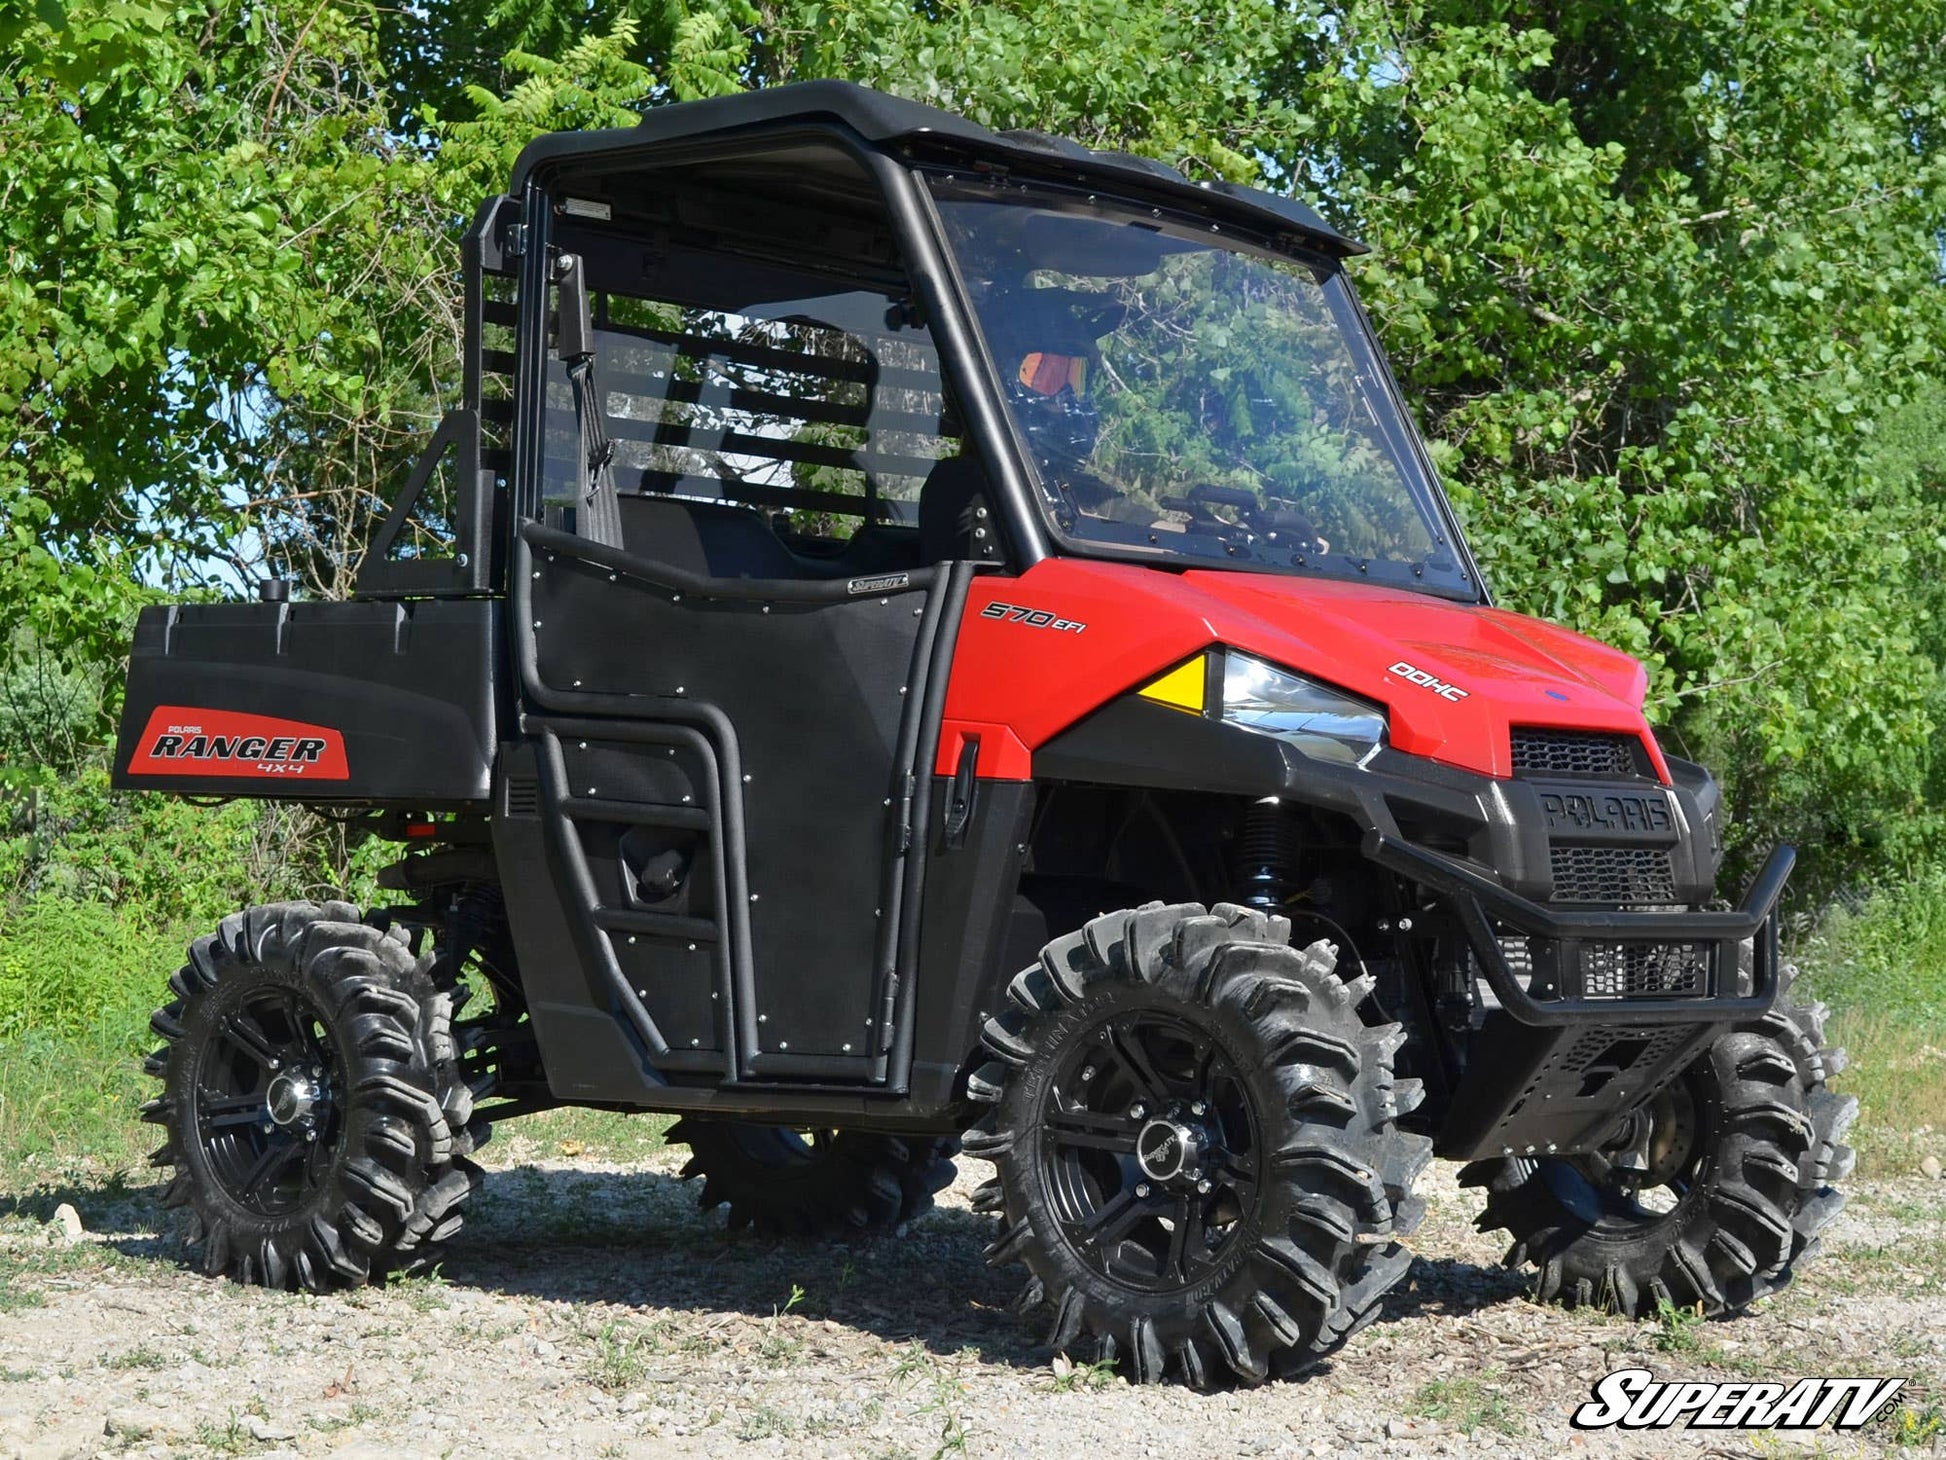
(1586, 754)
(1621, 876)
(1642, 970)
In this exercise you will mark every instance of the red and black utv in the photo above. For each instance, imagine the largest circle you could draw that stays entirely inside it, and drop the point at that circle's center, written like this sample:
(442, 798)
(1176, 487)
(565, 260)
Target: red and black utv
(918, 638)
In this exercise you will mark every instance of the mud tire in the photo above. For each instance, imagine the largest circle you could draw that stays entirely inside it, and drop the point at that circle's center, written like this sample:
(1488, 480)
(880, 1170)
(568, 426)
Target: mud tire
(380, 1187)
(1771, 1141)
(780, 1182)
(1304, 1251)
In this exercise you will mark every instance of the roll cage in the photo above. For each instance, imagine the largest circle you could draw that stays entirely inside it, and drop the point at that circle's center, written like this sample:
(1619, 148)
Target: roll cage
(451, 530)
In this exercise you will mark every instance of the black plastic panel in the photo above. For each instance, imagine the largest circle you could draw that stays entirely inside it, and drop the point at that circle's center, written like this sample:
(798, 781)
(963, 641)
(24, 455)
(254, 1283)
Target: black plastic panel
(816, 692)
(409, 688)
(1532, 1091)
(967, 948)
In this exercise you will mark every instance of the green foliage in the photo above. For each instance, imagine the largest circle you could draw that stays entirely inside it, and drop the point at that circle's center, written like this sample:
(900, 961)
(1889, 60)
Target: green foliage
(1880, 961)
(77, 982)
(164, 857)
(1655, 339)
(1678, 1329)
(1661, 279)
(64, 970)
(1886, 953)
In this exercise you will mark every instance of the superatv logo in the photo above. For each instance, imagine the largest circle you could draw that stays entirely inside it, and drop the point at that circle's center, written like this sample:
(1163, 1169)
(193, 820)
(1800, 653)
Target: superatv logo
(1635, 1399)
(179, 741)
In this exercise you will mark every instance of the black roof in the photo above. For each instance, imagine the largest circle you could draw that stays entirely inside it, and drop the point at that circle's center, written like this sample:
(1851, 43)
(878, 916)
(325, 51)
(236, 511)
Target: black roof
(883, 119)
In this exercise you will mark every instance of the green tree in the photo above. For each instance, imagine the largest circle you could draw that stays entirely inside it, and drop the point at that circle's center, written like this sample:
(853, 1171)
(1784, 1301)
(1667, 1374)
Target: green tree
(1662, 280)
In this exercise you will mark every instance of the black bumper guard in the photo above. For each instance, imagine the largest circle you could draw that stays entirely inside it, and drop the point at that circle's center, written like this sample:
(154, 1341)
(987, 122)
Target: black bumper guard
(1478, 900)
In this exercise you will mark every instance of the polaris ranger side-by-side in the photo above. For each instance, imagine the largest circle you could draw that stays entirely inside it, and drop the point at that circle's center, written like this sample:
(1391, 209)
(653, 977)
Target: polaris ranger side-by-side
(920, 639)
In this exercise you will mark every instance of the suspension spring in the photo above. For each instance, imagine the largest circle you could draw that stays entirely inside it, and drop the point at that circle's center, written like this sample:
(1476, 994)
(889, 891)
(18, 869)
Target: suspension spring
(1266, 865)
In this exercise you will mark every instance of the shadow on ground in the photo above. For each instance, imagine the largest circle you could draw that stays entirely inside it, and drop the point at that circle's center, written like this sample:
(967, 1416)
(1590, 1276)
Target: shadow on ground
(637, 1239)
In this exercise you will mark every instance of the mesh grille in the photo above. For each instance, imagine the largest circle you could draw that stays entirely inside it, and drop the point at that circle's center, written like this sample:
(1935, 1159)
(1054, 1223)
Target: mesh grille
(1642, 970)
(1588, 753)
(1618, 875)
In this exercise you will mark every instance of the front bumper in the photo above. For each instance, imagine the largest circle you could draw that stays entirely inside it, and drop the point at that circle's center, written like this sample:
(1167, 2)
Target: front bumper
(1559, 940)
(1557, 1068)
(1570, 1043)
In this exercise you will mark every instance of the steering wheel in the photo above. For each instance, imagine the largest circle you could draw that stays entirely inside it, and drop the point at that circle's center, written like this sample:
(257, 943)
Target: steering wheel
(1202, 500)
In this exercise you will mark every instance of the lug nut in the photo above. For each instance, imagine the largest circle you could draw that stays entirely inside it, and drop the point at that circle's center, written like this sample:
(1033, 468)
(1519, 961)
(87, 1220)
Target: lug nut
(1198, 1108)
(1203, 1186)
(1137, 1111)
(1087, 1073)
(1141, 1188)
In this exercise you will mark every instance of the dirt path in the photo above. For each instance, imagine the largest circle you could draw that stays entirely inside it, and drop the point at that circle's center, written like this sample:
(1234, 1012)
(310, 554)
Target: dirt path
(590, 1310)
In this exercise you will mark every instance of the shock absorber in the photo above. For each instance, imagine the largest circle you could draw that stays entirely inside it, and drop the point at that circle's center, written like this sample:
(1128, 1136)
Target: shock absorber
(1266, 865)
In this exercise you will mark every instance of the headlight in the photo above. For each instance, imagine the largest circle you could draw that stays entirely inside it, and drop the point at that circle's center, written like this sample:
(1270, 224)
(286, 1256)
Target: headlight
(1320, 721)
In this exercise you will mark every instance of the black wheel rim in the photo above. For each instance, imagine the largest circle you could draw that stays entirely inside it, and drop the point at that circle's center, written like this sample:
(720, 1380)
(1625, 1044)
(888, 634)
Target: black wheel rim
(267, 1102)
(1150, 1152)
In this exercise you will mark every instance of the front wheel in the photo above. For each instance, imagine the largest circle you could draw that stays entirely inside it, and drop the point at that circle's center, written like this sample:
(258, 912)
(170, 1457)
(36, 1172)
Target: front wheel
(1717, 1194)
(1196, 1145)
(317, 1118)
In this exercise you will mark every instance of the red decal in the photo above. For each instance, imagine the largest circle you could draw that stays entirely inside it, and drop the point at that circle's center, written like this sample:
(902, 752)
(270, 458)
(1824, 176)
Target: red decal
(185, 742)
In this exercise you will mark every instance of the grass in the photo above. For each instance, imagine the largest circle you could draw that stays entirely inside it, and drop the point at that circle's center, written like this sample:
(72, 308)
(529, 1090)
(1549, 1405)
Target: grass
(1678, 1329)
(1467, 1404)
(1916, 1429)
(570, 1134)
(424, 1292)
(140, 1357)
(77, 984)
(1070, 1377)
(622, 1354)
(1881, 965)
(14, 1297)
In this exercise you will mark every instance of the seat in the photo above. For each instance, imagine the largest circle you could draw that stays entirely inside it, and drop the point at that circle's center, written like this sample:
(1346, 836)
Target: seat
(708, 539)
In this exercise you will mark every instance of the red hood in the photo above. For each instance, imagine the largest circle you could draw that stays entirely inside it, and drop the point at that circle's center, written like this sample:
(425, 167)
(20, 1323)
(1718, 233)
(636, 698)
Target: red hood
(1454, 676)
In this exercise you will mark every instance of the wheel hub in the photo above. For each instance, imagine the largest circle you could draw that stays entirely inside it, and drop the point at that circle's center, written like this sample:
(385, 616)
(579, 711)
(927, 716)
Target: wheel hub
(1171, 1151)
(295, 1101)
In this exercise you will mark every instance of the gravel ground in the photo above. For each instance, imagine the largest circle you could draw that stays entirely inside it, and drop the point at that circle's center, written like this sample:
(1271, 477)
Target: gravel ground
(589, 1309)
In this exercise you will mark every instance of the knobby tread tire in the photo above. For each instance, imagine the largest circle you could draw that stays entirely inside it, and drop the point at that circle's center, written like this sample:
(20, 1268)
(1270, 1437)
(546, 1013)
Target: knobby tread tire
(399, 1172)
(852, 1183)
(1325, 1251)
(1761, 1198)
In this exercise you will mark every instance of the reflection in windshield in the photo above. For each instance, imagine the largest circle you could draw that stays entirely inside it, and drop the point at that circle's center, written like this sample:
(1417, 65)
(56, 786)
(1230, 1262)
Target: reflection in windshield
(1186, 399)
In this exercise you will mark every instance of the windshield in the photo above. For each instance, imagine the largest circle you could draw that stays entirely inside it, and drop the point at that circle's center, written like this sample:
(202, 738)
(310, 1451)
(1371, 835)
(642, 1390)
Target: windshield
(1187, 399)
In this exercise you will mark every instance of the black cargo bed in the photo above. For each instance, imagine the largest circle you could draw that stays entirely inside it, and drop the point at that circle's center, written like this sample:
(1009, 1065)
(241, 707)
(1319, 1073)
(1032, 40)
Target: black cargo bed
(353, 702)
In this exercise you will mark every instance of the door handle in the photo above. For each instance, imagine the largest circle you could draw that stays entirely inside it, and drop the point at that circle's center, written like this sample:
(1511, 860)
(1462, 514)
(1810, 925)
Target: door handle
(959, 800)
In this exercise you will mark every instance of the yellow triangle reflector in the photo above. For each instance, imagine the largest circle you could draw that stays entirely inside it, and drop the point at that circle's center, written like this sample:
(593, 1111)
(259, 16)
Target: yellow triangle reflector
(1181, 688)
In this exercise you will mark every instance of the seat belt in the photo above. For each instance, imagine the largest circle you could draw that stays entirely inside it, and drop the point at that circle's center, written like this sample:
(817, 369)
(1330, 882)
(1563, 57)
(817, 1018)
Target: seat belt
(597, 510)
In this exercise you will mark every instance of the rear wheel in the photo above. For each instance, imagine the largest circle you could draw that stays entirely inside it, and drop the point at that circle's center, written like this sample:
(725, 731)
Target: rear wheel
(785, 1181)
(1715, 1194)
(1195, 1137)
(316, 1116)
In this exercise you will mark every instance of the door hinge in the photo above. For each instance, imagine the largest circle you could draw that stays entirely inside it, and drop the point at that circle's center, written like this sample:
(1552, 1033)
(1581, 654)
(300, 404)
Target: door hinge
(887, 1011)
(905, 813)
(516, 244)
